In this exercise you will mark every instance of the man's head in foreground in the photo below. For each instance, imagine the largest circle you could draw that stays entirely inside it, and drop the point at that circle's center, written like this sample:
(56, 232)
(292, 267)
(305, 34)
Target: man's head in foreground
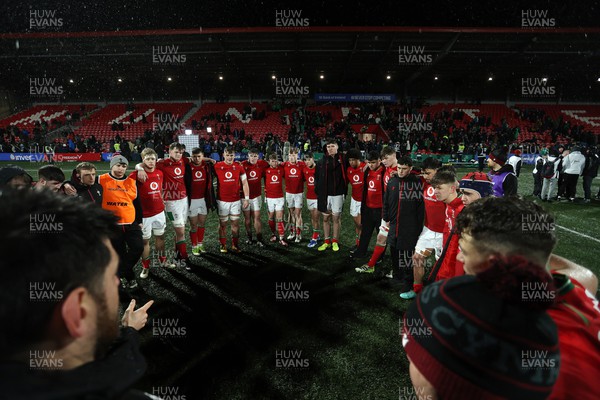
(59, 288)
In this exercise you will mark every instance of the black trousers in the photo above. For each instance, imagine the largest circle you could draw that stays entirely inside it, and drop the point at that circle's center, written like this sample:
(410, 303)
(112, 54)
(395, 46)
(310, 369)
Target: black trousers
(587, 186)
(571, 185)
(370, 219)
(537, 183)
(129, 245)
(402, 266)
(562, 186)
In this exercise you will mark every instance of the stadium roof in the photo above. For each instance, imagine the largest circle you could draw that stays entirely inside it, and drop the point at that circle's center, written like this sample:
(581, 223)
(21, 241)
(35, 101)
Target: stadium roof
(355, 59)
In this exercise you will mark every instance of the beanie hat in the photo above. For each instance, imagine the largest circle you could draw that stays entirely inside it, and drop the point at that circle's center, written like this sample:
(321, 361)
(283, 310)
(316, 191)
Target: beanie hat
(478, 337)
(517, 153)
(118, 160)
(9, 172)
(479, 182)
(544, 152)
(499, 156)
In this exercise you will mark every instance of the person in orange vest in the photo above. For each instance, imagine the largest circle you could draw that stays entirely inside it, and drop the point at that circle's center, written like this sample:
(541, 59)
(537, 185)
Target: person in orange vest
(120, 196)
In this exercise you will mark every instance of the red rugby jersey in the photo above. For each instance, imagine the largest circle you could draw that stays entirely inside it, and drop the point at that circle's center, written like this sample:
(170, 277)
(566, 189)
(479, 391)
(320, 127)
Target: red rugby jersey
(576, 314)
(228, 178)
(435, 210)
(355, 177)
(374, 189)
(274, 182)
(173, 173)
(150, 193)
(309, 177)
(254, 174)
(199, 177)
(294, 179)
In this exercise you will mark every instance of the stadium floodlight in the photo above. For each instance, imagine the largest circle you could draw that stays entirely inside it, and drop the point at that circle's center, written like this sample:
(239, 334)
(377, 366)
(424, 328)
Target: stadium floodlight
(188, 132)
(388, 77)
(273, 77)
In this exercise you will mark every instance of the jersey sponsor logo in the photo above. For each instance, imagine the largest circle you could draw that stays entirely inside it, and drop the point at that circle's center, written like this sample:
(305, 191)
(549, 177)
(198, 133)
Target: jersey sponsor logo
(228, 175)
(154, 185)
(293, 171)
(252, 174)
(372, 184)
(311, 179)
(431, 192)
(198, 174)
(274, 178)
(356, 178)
(177, 171)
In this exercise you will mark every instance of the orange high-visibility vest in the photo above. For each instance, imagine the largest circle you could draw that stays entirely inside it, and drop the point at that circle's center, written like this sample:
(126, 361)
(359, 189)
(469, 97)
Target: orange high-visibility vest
(118, 196)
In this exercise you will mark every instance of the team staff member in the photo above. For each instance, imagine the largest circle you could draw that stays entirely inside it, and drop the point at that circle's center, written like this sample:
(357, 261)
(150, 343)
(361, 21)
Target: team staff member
(120, 195)
(331, 185)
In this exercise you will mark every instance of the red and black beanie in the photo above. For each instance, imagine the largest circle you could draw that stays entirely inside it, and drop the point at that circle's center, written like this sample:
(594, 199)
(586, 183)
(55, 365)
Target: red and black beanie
(499, 156)
(485, 336)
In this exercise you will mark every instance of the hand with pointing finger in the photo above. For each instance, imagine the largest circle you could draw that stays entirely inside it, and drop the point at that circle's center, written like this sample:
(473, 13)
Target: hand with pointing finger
(136, 318)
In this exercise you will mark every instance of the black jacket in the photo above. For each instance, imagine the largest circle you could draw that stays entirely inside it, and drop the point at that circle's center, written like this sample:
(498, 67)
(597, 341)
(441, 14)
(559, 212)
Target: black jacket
(330, 178)
(592, 162)
(404, 208)
(108, 378)
(89, 193)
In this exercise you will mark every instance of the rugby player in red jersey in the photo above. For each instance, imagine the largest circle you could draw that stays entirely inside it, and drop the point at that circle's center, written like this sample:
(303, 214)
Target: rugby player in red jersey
(311, 197)
(201, 197)
(231, 176)
(575, 310)
(355, 174)
(254, 174)
(430, 241)
(174, 194)
(294, 189)
(153, 206)
(274, 175)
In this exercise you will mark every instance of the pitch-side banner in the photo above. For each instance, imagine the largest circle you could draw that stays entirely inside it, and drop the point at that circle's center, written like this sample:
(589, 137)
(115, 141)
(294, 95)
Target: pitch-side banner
(355, 97)
(41, 157)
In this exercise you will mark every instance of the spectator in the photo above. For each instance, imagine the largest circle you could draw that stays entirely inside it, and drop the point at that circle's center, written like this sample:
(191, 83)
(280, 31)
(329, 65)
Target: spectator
(549, 172)
(590, 171)
(573, 166)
